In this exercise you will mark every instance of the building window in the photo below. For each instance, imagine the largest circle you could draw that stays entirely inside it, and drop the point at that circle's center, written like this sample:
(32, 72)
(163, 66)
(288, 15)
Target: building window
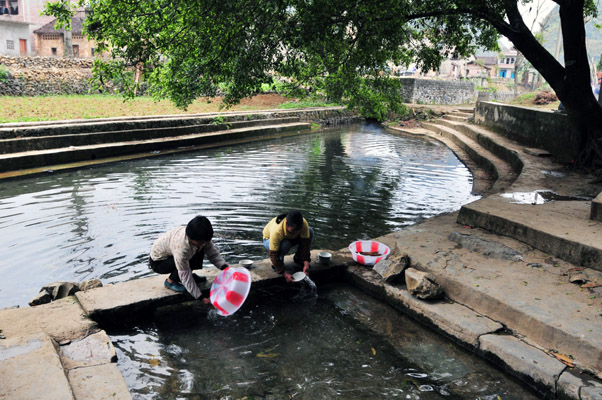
(9, 7)
(92, 51)
(53, 51)
(10, 44)
(50, 37)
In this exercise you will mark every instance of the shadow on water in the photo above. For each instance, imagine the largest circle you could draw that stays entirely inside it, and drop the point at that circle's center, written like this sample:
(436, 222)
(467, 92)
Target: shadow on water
(357, 182)
(340, 344)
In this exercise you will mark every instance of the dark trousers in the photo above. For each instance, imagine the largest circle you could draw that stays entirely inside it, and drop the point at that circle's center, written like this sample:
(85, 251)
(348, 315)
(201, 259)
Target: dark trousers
(168, 266)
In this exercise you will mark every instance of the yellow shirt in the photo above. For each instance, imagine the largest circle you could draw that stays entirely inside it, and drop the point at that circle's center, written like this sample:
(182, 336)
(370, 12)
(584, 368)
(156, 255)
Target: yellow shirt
(277, 232)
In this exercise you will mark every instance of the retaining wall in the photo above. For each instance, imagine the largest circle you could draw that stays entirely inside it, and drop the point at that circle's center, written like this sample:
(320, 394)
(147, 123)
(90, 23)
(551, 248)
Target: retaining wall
(542, 129)
(35, 76)
(433, 91)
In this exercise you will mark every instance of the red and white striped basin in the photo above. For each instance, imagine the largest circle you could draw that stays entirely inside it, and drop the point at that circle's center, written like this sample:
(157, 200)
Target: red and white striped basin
(368, 246)
(230, 290)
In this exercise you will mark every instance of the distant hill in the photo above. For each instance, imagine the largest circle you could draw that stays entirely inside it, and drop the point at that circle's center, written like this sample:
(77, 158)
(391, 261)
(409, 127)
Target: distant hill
(593, 36)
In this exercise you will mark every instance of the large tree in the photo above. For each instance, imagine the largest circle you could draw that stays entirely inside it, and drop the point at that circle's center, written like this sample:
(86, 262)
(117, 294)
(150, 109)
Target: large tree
(191, 48)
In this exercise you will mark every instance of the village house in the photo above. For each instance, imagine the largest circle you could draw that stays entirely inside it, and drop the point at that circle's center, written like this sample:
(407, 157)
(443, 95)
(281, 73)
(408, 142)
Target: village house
(50, 42)
(23, 31)
(506, 64)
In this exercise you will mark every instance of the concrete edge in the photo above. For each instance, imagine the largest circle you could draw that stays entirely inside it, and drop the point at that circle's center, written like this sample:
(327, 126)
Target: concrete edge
(596, 210)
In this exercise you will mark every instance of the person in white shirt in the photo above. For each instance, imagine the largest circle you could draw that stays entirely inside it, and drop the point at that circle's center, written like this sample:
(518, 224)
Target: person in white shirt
(181, 250)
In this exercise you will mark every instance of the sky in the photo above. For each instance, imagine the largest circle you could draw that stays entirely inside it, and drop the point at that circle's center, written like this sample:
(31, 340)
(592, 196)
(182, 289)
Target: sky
(532, 14)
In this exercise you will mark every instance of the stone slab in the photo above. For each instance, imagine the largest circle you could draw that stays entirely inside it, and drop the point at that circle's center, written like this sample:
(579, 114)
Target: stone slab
(62, 320)
(457, 321)
(571, 382)
(99, 382)
(30, 368)
(523, 360)
(94, 349)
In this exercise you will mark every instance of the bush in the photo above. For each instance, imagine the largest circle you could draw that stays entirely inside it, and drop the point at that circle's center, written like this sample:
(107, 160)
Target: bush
(4, 74)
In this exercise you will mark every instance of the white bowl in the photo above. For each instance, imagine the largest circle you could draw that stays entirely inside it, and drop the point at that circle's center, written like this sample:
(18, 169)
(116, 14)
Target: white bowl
(246, 263)
(365, 246)
(324, 257)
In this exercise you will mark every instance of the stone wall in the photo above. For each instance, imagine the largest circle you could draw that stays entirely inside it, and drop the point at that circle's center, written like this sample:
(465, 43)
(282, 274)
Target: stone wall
(542, 129)
(431, 91)
(35, 76)
(502, 97)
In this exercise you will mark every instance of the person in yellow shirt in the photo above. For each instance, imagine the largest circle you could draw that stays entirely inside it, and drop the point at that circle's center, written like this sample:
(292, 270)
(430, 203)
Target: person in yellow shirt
(284, 232)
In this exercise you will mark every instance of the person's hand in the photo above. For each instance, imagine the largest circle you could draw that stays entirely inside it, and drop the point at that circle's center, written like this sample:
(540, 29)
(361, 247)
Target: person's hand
(206, 300)
(288, 277)
(306, 267)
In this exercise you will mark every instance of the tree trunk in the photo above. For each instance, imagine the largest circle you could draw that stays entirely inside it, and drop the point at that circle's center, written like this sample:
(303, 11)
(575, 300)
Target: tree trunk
(571, 83)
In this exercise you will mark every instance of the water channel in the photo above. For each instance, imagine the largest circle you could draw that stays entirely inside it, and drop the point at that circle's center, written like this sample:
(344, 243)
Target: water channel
(358, 182)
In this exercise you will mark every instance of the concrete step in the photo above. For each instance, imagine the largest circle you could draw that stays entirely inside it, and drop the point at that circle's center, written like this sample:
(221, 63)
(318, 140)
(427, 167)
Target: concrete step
(526, 290)
(455, 117)
(107, 151)
(561, 228)
(496, 167)
(68, 139)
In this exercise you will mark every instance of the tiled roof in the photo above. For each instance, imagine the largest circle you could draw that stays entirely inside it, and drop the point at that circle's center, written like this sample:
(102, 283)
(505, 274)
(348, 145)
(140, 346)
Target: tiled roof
(76, 27)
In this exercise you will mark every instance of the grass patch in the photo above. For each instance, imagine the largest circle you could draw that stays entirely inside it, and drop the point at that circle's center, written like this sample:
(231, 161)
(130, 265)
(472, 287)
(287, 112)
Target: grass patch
(52, 108)
(305, 104)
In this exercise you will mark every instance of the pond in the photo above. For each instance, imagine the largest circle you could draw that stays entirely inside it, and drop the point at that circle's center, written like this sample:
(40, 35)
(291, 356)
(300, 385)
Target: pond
(342, 344)
(356, 182)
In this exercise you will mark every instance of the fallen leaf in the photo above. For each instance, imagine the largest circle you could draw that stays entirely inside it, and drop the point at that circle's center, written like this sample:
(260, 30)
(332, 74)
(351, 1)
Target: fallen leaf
(267, 355)
(591, 285)
(153, 362)
(373, 351)
(576, 269)
(566, 360)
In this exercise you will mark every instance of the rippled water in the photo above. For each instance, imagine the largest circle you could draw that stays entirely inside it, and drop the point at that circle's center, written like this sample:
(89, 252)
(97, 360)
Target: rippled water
(344, 345)
(354, 183)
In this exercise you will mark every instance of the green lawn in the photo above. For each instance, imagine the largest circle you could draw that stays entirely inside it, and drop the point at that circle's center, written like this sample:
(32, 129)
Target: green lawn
(48, 108)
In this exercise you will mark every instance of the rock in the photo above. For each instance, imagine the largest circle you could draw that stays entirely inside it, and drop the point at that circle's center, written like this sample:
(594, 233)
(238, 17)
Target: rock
(422, 285)
(578, 277)
(90, 284)
(58, 290)
(391, 269)
(42, 298)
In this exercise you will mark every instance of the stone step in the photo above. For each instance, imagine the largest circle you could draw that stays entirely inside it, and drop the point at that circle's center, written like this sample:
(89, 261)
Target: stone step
(108, 151)
(509, 282)
(455, 117)
(50, 128)
(561, 228)
(496, 167)
(67, 139)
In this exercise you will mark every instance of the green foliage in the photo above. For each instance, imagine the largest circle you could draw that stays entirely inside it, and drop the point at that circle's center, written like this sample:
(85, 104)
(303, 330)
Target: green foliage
(4, 74)
(236, 48)
(62, 10)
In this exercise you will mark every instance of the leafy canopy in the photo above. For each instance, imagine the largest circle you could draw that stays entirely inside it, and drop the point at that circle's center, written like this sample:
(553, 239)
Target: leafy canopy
(185, 49)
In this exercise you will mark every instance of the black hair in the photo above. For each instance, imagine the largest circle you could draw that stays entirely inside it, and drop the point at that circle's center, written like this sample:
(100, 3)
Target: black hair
(199, 228)
(294, 219)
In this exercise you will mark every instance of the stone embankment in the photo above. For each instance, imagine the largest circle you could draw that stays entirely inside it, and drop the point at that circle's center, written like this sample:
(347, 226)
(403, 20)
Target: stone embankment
(27, 148)
(519, 289)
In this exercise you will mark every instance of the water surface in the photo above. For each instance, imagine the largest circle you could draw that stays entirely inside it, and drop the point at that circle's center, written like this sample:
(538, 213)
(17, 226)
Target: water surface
(358, 182)
(343, 344)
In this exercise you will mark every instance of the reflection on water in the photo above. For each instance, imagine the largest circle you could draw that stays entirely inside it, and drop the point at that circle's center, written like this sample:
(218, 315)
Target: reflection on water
(353, 183)
(345, 345)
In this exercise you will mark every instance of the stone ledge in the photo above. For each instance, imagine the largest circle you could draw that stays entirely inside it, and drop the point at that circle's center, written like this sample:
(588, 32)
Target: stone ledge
(458, 322)
(522, 360)
(596, 208)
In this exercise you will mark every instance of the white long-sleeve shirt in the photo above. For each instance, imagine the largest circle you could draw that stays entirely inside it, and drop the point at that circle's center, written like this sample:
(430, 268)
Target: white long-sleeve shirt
(175, 243)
